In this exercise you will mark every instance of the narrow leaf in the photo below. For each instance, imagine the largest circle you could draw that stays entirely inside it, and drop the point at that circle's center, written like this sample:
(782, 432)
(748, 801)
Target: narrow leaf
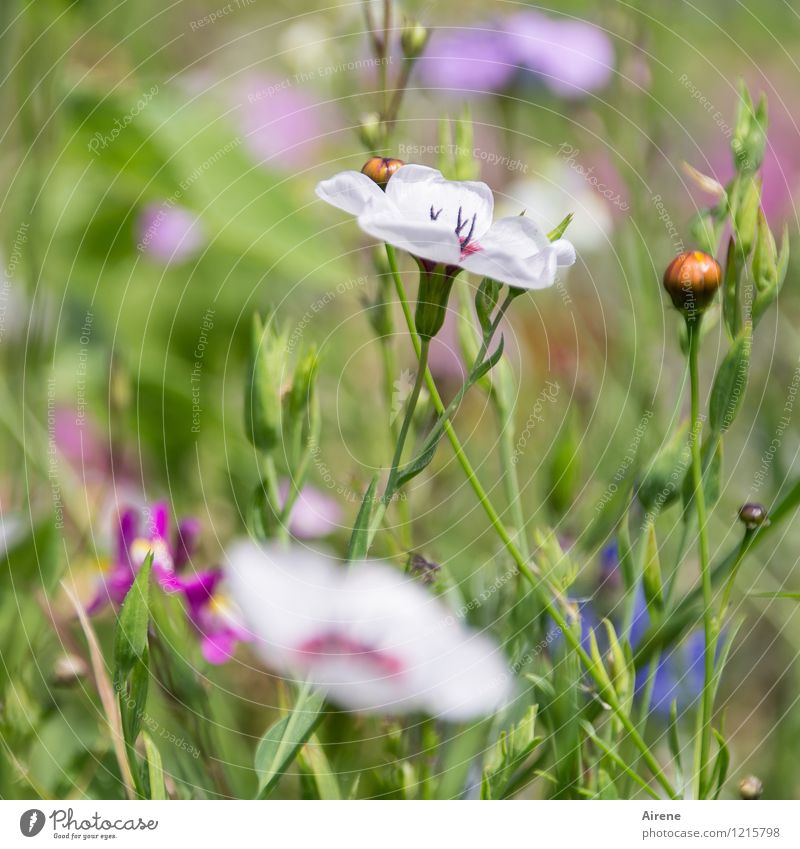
(730, 382)
(155, 769)
(359, 540)
(283, 741)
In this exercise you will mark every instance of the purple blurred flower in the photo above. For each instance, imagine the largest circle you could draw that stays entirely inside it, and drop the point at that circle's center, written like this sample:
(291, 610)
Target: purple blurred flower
(314, 514)
(133, 543)
(282, 124)
(80, 442)
(207, 607)
(213, 616)
(168, 233)
(679, 675)
(572, 57)
(471, 59)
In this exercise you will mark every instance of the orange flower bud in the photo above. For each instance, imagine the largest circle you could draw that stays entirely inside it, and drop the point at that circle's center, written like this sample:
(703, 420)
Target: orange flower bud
(692, 280)
(380, 168)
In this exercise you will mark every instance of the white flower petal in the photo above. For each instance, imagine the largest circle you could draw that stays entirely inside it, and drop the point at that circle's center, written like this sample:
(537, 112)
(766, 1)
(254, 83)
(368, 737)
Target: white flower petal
(565, 251)
(374, 639)
(532, 272)
(423, 194)
(518, 234)
(351, 191)
(430, 240)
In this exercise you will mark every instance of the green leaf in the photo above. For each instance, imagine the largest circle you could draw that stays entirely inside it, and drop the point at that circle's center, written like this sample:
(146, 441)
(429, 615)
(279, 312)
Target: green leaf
(130, 638)
(720, 771)
(730, 287)
(283, 741)
(730, 382)
(486, 303)
(788, 595)
(627, 566)
(505, 770)
(316, 762)
(673, 738)
(155, 769)
(359, 539)
(661, 484)
(711, 463)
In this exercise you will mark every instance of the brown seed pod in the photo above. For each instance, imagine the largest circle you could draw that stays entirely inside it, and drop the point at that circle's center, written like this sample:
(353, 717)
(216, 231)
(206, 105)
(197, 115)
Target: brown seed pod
(753, 515)
(380, 168)
(692, 280)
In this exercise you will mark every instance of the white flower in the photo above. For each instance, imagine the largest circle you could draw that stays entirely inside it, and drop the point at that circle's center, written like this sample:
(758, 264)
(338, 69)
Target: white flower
(369, 635)
(449, 223)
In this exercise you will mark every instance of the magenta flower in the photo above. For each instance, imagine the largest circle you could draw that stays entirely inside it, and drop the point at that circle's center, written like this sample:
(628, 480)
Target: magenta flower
(214, 616)
(134, 543)
(169, 234)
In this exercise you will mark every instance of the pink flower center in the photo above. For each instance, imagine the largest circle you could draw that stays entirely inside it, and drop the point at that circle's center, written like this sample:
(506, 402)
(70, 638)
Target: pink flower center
(332, 643)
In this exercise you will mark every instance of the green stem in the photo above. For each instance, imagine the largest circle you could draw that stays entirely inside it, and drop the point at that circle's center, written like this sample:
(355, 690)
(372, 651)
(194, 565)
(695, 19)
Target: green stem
(521, 563)
(510, 476)
(408, 417)
(693, 327)
(270, 474)
(726, 594)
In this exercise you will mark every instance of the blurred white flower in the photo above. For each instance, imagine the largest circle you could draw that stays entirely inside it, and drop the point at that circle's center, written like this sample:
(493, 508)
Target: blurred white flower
(449, 222)
(557, 188)
(369, 635)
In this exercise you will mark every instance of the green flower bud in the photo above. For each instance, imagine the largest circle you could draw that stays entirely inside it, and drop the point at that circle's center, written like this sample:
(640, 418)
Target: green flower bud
(300, 409)
(745, 206)
(371, 131)
(663, 479)
(651, 579)
(750, 133)
(268, 364)
(413, 39)
(705, 230)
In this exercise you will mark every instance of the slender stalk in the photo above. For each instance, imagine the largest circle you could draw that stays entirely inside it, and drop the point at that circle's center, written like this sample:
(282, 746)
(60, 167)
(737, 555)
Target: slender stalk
(693, 327)
(270, 474)
(408, 417)
(510, 477)
(527, 570)
(726, 594)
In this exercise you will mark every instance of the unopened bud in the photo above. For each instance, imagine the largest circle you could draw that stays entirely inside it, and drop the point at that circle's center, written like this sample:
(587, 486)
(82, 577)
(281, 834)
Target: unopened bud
(753, 515)
(381, 168)
(370, 131)
(750, 787)
(413, 39)
(692, 280)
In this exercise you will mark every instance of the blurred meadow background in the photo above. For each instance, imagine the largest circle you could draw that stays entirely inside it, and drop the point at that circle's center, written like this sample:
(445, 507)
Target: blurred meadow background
(157, 173)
